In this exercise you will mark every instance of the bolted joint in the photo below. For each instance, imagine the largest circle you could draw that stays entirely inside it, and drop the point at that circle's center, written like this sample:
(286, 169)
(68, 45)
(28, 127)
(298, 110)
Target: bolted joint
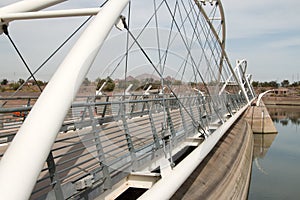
(4, 29)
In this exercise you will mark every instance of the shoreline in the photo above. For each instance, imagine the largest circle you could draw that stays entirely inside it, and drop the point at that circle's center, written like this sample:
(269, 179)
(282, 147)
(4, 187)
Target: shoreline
(279, 100)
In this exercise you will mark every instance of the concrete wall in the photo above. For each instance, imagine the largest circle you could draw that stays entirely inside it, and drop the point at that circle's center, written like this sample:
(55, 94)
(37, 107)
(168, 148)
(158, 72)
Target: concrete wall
(225, 173)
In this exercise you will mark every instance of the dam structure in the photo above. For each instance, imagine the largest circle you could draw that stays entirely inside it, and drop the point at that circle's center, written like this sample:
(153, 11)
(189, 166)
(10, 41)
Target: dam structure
(128, 138)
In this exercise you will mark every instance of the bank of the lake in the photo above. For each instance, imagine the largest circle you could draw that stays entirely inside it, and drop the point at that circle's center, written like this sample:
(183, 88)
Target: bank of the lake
(282, 100)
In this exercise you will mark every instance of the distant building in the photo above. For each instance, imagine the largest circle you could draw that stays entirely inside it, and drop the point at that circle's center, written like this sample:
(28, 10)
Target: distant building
(281, 91)
(30, 82)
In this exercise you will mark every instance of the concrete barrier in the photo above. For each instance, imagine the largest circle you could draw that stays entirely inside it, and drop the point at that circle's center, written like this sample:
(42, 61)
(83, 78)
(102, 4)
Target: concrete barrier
(259, 119)
(225, 172)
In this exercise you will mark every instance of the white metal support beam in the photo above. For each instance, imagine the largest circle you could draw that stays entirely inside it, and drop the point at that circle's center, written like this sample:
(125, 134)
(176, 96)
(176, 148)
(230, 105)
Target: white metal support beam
(26, 6)
(238, 67)
(29, 5)
(8, 17)
(249, 80)
(21, 164)
(261, 95)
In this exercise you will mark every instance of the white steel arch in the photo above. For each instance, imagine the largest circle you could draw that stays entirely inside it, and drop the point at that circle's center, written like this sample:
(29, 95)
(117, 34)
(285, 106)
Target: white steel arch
(38, 133)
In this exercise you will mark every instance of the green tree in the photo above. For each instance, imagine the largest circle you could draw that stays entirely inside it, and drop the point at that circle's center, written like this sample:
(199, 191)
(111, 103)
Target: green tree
(255, 83)
(109, 86)
(14, 86)
(285, 83)
(40, 83)
(4, 82)
(273, 84)
(21, 81)
(100, 83)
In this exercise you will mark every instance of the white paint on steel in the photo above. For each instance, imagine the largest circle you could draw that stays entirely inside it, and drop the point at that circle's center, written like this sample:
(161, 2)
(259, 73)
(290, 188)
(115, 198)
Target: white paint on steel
(168, 185)
(248, 80)
(29, 5)
(261, 95)
(236, 72)
(21, 164)
(240, 80)
(49, 14)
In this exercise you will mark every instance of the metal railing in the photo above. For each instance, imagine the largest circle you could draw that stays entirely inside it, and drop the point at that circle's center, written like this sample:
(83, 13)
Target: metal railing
(103, 138)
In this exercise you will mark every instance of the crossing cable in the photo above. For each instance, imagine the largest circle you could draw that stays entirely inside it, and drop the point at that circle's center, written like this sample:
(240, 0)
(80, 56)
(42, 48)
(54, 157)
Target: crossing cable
(197, 33)
(142, 31)
(51, 56)
(157, 71)
(210, 23)
(193, 61)
(208, 35)
(126, 26)
(222, 62)
(5, 30)
(55, 51)
(137, 37)
(188, 13)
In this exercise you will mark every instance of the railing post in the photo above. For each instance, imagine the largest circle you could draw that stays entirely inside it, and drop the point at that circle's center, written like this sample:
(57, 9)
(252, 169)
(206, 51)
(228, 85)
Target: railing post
(128, 136)
(100, 152)
(1, 121)
(56, 185)
(183, 121)
(153, 129)
(132, 107)
(169, 119)
(199, 102)
(191, 107)
(105, 107)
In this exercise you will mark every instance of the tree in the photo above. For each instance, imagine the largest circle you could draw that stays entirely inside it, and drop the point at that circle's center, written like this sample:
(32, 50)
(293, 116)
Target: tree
(295, 84)
(100, 83)
(4, 82)
(40, 83)
(21, 81)
(255, 83)
(14, 86)
(109, 86)
(273, 84)
(285, 83)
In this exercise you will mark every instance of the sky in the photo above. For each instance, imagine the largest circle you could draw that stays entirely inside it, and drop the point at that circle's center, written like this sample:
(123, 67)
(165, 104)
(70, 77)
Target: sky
(265, 34)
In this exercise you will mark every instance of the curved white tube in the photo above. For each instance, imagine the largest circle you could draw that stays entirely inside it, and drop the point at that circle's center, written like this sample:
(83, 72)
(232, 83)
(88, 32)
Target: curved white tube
(24, 159)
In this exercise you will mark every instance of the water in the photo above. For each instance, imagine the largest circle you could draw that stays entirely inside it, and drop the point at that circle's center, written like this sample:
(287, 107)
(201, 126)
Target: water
(276, 160)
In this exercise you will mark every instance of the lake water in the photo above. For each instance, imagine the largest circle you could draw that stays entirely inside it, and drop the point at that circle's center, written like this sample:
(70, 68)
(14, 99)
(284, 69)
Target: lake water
(276, 161)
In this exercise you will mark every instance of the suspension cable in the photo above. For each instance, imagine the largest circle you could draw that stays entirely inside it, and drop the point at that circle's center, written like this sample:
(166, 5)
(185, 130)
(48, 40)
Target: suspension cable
(193, 61)
(126, 26)
(51, 56)
(5, 30)
(157, 71)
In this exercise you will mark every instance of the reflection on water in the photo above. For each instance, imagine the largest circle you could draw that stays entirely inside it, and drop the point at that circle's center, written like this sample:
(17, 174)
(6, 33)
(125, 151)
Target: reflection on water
(285, 114)
(262, 143)
(276, 160)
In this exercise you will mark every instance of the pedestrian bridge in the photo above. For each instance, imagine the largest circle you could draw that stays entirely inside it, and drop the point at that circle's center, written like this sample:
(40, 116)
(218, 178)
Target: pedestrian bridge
(65, 144)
